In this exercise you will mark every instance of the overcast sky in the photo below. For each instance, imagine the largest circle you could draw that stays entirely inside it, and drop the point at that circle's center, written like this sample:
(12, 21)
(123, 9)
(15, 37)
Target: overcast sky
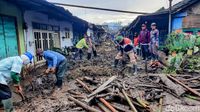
(99, 17)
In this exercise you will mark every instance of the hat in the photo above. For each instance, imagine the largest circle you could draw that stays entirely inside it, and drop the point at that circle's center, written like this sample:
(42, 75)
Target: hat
(29, 55)
(119, 38)
(153, 24)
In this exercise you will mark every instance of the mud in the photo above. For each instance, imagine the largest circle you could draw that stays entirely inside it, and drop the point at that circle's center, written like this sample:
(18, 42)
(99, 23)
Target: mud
(41, 99)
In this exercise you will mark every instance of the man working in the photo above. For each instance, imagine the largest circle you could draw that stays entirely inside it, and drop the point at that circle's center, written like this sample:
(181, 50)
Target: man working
(10, 69)
(86, 42)
(126, 47)
(57, 64)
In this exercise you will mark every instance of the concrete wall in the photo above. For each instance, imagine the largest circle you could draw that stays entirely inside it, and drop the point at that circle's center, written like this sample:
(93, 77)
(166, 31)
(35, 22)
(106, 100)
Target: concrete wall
(9, 9)
(32, 16)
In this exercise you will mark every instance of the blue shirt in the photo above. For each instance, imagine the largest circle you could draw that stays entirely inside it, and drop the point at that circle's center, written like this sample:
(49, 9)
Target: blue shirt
(8, 65)
(53, 58)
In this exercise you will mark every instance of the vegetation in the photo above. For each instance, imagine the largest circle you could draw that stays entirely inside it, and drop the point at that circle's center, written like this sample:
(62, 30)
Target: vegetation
(181, 46)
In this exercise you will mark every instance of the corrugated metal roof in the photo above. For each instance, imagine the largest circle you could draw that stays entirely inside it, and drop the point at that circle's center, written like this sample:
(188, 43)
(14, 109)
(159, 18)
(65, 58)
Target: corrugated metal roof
(175, 9)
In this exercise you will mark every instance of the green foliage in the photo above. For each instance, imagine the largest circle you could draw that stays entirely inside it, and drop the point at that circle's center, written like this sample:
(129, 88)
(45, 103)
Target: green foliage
(181, 43)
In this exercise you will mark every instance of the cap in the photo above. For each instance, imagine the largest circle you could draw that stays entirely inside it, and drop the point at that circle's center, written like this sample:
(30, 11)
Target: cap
(29, 55)
(119, 38)
(153, 24)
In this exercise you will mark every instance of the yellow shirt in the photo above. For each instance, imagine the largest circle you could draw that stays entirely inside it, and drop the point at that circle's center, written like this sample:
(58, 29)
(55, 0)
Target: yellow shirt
(81, 44)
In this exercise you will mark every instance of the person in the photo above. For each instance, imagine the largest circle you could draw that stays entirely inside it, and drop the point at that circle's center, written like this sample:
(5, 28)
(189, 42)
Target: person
(154, 44)
(57, 64)
(10, 69)
(86, 42)
(136, 43)
(144, 40)
(126, 47)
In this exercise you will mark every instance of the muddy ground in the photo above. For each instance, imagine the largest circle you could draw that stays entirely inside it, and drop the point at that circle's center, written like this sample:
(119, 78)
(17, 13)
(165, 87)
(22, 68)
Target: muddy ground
(40, 98)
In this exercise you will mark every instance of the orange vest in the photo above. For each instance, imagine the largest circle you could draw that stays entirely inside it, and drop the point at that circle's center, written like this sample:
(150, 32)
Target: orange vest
(127, 41)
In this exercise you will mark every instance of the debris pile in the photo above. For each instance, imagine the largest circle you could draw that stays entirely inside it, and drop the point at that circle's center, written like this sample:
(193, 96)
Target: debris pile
(95, 86)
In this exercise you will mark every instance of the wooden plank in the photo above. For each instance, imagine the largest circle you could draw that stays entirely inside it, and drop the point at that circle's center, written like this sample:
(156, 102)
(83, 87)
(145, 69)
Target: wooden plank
(179, 90)
(188, 88)
(103, 86)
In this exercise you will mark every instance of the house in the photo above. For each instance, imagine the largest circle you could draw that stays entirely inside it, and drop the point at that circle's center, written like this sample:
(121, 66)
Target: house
(11, 30)
(185, 18)
(80, 27)
(45, 25)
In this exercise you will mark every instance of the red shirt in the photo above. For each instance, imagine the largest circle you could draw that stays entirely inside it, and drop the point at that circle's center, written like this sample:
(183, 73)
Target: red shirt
(136, 41)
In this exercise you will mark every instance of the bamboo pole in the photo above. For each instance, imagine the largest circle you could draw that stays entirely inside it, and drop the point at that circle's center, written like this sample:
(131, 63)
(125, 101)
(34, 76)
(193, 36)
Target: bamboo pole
(129, 101)
(102, 107)
(160, 104)
(108, 105)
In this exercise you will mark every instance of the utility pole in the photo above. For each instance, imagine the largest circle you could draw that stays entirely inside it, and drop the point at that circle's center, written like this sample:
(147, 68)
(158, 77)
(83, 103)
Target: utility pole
(170, 16)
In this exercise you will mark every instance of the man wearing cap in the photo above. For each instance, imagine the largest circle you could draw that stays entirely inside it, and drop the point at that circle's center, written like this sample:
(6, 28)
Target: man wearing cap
(126, 47)
(144, 40)
(57, 63)
(154, 44)
(10, 69)
(86, 42)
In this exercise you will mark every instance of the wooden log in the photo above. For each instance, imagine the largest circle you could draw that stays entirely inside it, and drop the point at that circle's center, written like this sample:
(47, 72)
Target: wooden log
(84, 85)
(103, 86)
(179, 90)
(84, 106)
(108, 105)
(188, 88)
(129, 101)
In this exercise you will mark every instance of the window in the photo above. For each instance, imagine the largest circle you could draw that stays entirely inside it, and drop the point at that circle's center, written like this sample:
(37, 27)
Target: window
(67, 33)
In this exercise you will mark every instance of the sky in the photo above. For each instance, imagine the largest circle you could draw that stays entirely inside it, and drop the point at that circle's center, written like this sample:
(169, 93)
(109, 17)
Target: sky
(100, 17)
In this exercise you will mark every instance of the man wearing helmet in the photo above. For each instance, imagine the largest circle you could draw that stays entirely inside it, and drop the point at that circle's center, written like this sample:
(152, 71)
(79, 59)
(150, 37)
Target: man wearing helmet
(10, 69)
(126, 47)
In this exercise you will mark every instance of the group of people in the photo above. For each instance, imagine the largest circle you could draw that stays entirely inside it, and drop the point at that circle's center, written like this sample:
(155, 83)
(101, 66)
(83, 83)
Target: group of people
(147, 42)
(10, 69)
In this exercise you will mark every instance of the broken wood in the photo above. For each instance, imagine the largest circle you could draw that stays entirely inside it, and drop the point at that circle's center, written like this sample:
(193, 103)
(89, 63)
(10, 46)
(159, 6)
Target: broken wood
(84, 85)
(194, 78)
(120, 108)
(160, 104)
(103, 86)
(188, 88)
(129, 101)
(102, 107)
(107, 105)
(84, 106)
(179, 90)
(141, 102)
